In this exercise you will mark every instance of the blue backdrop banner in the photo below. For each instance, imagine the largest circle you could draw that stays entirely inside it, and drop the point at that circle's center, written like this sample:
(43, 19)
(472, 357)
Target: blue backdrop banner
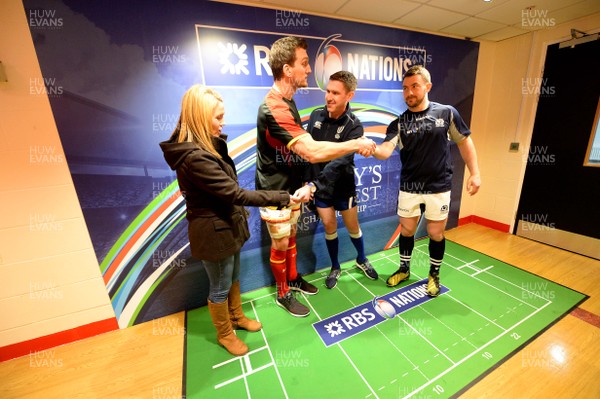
(115, 73)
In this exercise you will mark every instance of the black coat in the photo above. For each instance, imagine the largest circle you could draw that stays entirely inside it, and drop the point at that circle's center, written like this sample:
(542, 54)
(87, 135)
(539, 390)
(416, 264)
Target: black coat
(217, 219)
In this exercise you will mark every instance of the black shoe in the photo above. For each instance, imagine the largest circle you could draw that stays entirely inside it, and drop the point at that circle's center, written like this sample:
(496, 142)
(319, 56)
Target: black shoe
(368, 269)
(291, 304)
(299, 284)
(332, 279)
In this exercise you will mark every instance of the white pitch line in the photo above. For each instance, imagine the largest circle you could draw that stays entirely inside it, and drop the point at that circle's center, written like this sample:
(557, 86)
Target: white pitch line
(378, 329)
(390, 257)
(361, 284)
(498, 289)
(346, 296)
(425, 339)
(485, 282)
(260, 297)
(430, 343)
(463, 304)
(474, 311)
(521, 288)
(244, 375)
(402, 353)
(350, 360)
(310, 304)
(472, 354)
(270, 353)
(506, 281)
(447, 326)
(236, 358)
(274, 292)
(357, 370)
(468, 264)
(482, 270)
(418, 306)
(247, 363)
(248, 370)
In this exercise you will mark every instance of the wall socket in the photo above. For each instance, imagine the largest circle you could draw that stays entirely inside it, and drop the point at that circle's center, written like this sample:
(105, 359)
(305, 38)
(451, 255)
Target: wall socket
(2, 73)
(514, 147)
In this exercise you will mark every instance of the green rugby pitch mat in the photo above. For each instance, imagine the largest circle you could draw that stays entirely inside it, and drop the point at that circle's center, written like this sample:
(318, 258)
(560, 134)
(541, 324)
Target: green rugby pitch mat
(422, 348)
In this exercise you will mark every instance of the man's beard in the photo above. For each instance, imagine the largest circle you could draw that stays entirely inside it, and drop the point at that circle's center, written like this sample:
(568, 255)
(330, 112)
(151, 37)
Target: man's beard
(417, 101)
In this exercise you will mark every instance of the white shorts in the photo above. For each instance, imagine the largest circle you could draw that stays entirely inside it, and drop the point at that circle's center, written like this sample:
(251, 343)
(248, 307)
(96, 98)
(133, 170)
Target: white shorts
(280, 221)
(436, 205)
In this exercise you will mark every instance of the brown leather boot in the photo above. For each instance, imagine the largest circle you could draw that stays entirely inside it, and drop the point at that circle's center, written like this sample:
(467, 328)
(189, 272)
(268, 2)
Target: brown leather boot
(219, 312)
(236, 314)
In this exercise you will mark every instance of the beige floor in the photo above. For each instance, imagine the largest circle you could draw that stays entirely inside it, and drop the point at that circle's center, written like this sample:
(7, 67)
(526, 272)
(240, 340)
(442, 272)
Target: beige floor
(146, 361)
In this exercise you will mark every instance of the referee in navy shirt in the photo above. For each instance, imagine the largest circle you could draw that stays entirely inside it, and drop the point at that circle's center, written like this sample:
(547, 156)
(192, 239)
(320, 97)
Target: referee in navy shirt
(334, 181)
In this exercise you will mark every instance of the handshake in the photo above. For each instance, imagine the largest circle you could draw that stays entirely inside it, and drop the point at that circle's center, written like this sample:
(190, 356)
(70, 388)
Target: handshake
(366, 147)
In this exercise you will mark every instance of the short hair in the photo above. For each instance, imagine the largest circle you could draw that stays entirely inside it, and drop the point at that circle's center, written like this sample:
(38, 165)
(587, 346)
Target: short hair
(283, 51)
(347, 78)
(195, 121)
(418, 70)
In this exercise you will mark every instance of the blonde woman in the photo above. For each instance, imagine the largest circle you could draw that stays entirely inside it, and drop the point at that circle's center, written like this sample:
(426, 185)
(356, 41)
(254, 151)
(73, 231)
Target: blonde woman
(217, 219)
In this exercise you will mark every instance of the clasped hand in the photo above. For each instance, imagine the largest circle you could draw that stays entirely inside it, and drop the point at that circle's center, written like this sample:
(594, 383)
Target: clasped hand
(366, 147)
(303, 194)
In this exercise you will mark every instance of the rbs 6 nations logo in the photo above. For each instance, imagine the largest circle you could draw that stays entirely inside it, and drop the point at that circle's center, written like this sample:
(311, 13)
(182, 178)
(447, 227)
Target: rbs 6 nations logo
(328, 62)
(353, 321)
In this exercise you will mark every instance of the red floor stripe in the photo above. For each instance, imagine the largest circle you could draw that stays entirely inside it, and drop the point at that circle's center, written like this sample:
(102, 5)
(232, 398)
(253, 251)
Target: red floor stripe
(586, 316)
(60, 338)
(492, 224)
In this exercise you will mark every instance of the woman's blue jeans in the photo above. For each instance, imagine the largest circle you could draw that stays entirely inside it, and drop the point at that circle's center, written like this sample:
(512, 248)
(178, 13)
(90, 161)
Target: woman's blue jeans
(221, 274)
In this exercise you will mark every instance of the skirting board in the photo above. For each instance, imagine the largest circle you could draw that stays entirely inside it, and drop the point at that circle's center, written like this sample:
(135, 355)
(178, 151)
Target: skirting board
(550, 235)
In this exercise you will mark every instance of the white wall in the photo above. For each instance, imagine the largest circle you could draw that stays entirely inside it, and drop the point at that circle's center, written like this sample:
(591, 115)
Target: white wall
(49, 276)
(503, 114)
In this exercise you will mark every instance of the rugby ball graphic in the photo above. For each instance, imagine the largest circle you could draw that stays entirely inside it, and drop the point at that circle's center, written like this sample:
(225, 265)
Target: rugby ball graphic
(384, 308)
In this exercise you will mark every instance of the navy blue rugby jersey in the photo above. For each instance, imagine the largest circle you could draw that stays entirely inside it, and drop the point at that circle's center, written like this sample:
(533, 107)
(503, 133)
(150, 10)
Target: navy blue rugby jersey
(334, 179)
(424, 142)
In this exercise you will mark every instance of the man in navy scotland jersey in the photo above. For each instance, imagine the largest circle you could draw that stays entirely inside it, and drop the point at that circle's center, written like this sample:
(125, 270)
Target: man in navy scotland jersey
(423, 134)
(283, 150)
(336, 187)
